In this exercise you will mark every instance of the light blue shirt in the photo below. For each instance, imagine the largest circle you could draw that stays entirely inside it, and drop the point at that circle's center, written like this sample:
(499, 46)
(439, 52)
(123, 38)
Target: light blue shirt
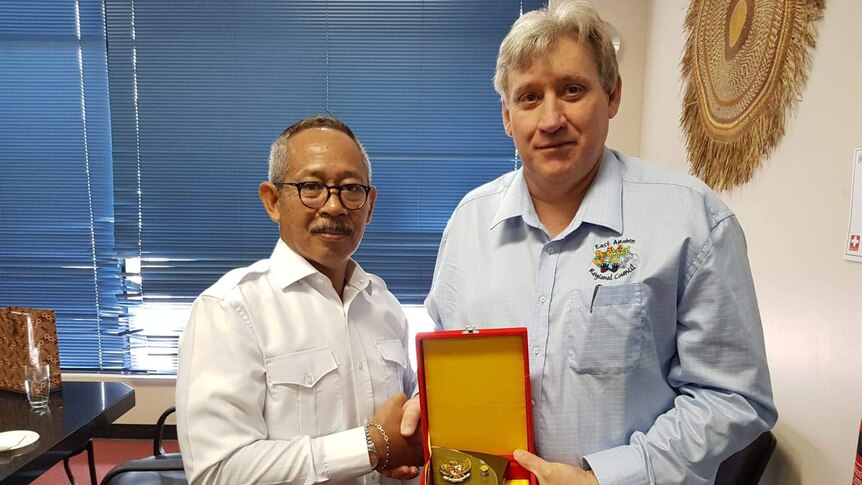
(647, 360)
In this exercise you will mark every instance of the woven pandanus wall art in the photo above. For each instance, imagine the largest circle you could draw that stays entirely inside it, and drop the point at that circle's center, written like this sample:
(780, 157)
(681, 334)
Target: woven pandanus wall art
(744, 67)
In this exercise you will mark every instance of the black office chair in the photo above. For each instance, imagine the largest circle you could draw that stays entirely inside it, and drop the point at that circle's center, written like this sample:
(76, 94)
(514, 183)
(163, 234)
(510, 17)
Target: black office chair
(160, 469)
(746, 466)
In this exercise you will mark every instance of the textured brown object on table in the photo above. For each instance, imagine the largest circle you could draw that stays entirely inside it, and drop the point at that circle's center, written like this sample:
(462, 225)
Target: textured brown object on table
(15, 345)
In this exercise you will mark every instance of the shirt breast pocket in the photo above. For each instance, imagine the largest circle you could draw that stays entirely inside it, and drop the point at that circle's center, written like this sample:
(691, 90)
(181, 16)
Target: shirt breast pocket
(604, 329)
(305, 391)
(395, 362)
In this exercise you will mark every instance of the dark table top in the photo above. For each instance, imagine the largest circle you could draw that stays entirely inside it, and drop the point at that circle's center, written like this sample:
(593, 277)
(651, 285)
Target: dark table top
(75, 413)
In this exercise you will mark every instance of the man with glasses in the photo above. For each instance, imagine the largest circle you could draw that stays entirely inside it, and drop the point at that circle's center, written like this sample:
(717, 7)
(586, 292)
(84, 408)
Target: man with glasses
(295, 369)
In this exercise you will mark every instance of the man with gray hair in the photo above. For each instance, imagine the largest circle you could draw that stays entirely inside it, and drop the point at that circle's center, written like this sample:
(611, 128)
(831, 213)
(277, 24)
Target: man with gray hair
(647, 360)
(295, 369)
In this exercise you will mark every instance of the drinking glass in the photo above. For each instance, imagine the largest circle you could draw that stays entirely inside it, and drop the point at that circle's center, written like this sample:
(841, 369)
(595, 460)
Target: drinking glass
(37, 383)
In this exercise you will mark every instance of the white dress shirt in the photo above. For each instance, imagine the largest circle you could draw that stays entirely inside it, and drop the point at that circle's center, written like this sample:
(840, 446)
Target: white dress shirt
(646, 363)
(278, 374)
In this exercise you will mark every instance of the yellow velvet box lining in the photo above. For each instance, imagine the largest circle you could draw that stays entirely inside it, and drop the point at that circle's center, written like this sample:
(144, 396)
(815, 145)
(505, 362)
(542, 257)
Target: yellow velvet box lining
(475, 393)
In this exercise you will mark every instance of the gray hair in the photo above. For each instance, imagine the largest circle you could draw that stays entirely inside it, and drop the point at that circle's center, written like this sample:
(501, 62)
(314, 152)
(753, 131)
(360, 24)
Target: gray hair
(535, 33)
(278, 160)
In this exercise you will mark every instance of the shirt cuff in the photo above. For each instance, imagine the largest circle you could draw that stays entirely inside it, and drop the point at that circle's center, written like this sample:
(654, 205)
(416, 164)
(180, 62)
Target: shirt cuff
(345, 454)
(621, 465)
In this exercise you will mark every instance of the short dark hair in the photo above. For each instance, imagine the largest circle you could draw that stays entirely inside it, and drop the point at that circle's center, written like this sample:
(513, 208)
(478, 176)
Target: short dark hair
(278, 162)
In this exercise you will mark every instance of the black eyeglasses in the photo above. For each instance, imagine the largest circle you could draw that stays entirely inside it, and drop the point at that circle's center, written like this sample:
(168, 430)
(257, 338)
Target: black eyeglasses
(315, 195)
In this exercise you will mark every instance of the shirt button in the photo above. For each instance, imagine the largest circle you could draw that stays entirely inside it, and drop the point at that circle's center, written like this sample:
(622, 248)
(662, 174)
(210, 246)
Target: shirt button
(536, 350)
(309, 379)
(542, 299)
(551, 250)
(361, 366)
(533, 402)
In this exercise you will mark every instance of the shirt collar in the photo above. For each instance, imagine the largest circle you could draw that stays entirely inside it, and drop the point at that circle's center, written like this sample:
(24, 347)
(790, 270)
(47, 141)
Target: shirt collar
(288, 267)
(516, 202)
(357, 278)
(602, 205)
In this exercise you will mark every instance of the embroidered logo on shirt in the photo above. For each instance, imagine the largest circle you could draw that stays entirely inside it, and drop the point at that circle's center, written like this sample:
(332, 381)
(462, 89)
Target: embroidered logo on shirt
(614, 259)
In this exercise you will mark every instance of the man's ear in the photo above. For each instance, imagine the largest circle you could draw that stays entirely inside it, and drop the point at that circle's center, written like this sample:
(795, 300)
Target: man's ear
(372, 196)
(615, 98)
(507, 120)
(268, 194)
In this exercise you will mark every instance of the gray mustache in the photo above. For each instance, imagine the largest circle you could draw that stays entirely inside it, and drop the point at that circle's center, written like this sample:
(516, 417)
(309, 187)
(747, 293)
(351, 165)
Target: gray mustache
(331, 226)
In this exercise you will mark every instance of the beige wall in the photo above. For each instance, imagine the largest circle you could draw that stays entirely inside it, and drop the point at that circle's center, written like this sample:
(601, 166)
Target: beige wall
(795, 215)
(629, 17)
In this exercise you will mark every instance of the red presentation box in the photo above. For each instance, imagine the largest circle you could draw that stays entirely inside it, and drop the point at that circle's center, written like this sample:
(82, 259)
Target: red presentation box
(474, 390)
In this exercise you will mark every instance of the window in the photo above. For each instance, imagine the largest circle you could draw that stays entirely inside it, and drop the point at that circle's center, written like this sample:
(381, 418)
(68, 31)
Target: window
(56, 200)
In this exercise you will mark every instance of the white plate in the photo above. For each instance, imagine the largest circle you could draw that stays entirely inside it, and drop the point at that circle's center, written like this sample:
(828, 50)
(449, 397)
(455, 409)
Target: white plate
(12, 440)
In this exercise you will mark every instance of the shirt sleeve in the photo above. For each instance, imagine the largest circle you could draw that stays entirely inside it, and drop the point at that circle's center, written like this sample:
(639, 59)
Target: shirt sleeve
(435, 302)
(410, 383)
(221, 388)
(720, 373)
